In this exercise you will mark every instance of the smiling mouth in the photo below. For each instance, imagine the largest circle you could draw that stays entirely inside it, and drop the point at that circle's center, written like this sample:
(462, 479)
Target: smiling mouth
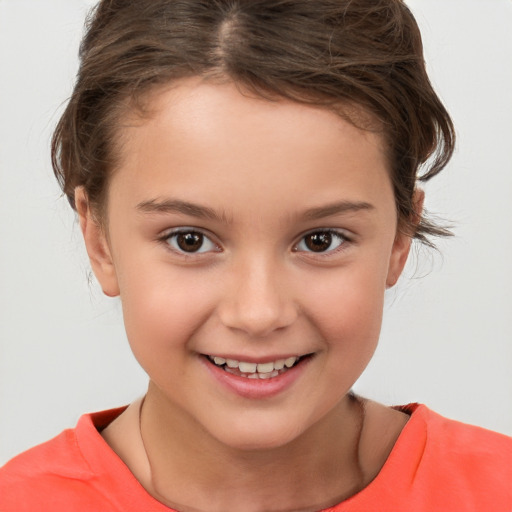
(262, 371)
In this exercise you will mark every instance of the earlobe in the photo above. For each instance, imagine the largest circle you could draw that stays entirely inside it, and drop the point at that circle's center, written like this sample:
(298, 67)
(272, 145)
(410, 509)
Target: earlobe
(96, 245)
(399, 254)
(402, 243)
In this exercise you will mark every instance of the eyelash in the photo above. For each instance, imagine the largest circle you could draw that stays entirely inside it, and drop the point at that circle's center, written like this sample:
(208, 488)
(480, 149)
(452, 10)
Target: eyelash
(173, 235)
(344, 241)
(167, 239)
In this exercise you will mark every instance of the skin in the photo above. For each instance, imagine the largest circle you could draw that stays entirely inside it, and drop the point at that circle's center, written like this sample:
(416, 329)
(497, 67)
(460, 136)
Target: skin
(256, 292)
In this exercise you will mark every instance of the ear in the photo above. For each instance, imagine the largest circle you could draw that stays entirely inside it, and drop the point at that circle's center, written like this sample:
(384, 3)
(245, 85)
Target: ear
(97, 245)
(402, 243)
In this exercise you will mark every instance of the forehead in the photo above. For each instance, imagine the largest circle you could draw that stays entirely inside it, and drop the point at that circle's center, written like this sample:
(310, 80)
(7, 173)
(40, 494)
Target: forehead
(190, 99)
(218, 143)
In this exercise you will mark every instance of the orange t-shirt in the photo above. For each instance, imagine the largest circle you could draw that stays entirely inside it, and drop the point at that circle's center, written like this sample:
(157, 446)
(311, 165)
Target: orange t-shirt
(436, 465)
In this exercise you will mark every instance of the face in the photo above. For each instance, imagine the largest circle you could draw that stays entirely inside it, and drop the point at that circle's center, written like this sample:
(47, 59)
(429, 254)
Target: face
(245, 236)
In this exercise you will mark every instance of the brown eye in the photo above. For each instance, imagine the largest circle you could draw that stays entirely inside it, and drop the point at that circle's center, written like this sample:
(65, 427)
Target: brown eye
(321, 241)
(318, 242)
(190, 242)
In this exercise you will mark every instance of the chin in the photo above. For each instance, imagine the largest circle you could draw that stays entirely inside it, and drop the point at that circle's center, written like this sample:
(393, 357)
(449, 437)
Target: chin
(259, 435)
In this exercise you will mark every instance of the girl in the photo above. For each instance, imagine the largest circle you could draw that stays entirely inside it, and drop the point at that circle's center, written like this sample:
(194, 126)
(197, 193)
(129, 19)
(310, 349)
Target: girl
(245, 175)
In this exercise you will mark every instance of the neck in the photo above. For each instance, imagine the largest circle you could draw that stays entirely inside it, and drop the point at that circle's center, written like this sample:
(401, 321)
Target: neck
(190, 470)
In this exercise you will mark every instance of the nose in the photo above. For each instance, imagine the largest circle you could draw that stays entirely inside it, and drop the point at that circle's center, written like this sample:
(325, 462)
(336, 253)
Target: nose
(257, 299)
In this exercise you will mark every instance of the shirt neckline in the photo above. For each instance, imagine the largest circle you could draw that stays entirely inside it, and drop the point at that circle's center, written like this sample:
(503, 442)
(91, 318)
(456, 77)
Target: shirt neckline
(112, 473)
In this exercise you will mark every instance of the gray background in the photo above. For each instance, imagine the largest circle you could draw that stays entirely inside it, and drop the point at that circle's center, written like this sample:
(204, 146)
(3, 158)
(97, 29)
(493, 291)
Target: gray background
(447, 333)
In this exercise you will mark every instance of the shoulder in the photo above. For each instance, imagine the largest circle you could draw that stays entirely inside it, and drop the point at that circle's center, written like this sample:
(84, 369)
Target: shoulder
(54, 476)
(45, 470)
(462, 464)
(459, 440)
(440, 464)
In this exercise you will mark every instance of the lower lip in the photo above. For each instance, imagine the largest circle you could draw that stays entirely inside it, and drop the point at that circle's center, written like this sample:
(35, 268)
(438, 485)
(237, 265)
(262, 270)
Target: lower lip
(257, 389)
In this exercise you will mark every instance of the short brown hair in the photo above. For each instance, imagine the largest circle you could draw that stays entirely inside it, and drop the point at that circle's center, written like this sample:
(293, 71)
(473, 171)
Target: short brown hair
(326, 52)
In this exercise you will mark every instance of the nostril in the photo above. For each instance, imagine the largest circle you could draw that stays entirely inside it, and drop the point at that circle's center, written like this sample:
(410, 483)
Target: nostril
(257, 323)
(255, 300)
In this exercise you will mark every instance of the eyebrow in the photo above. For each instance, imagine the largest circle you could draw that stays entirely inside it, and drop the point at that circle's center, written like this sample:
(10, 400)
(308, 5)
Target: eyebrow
(204, 212)
(183, 207)
(336, 208)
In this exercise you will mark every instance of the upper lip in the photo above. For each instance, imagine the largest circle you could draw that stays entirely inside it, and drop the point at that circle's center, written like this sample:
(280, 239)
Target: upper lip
(258, 359)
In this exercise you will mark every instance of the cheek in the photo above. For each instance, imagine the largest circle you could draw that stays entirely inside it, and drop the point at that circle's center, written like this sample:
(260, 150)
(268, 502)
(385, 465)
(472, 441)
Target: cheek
(347, 308)
(162, 309)
(346, 311)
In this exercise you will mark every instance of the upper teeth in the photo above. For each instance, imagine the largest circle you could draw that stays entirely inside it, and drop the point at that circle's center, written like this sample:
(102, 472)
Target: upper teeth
(246, 367)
